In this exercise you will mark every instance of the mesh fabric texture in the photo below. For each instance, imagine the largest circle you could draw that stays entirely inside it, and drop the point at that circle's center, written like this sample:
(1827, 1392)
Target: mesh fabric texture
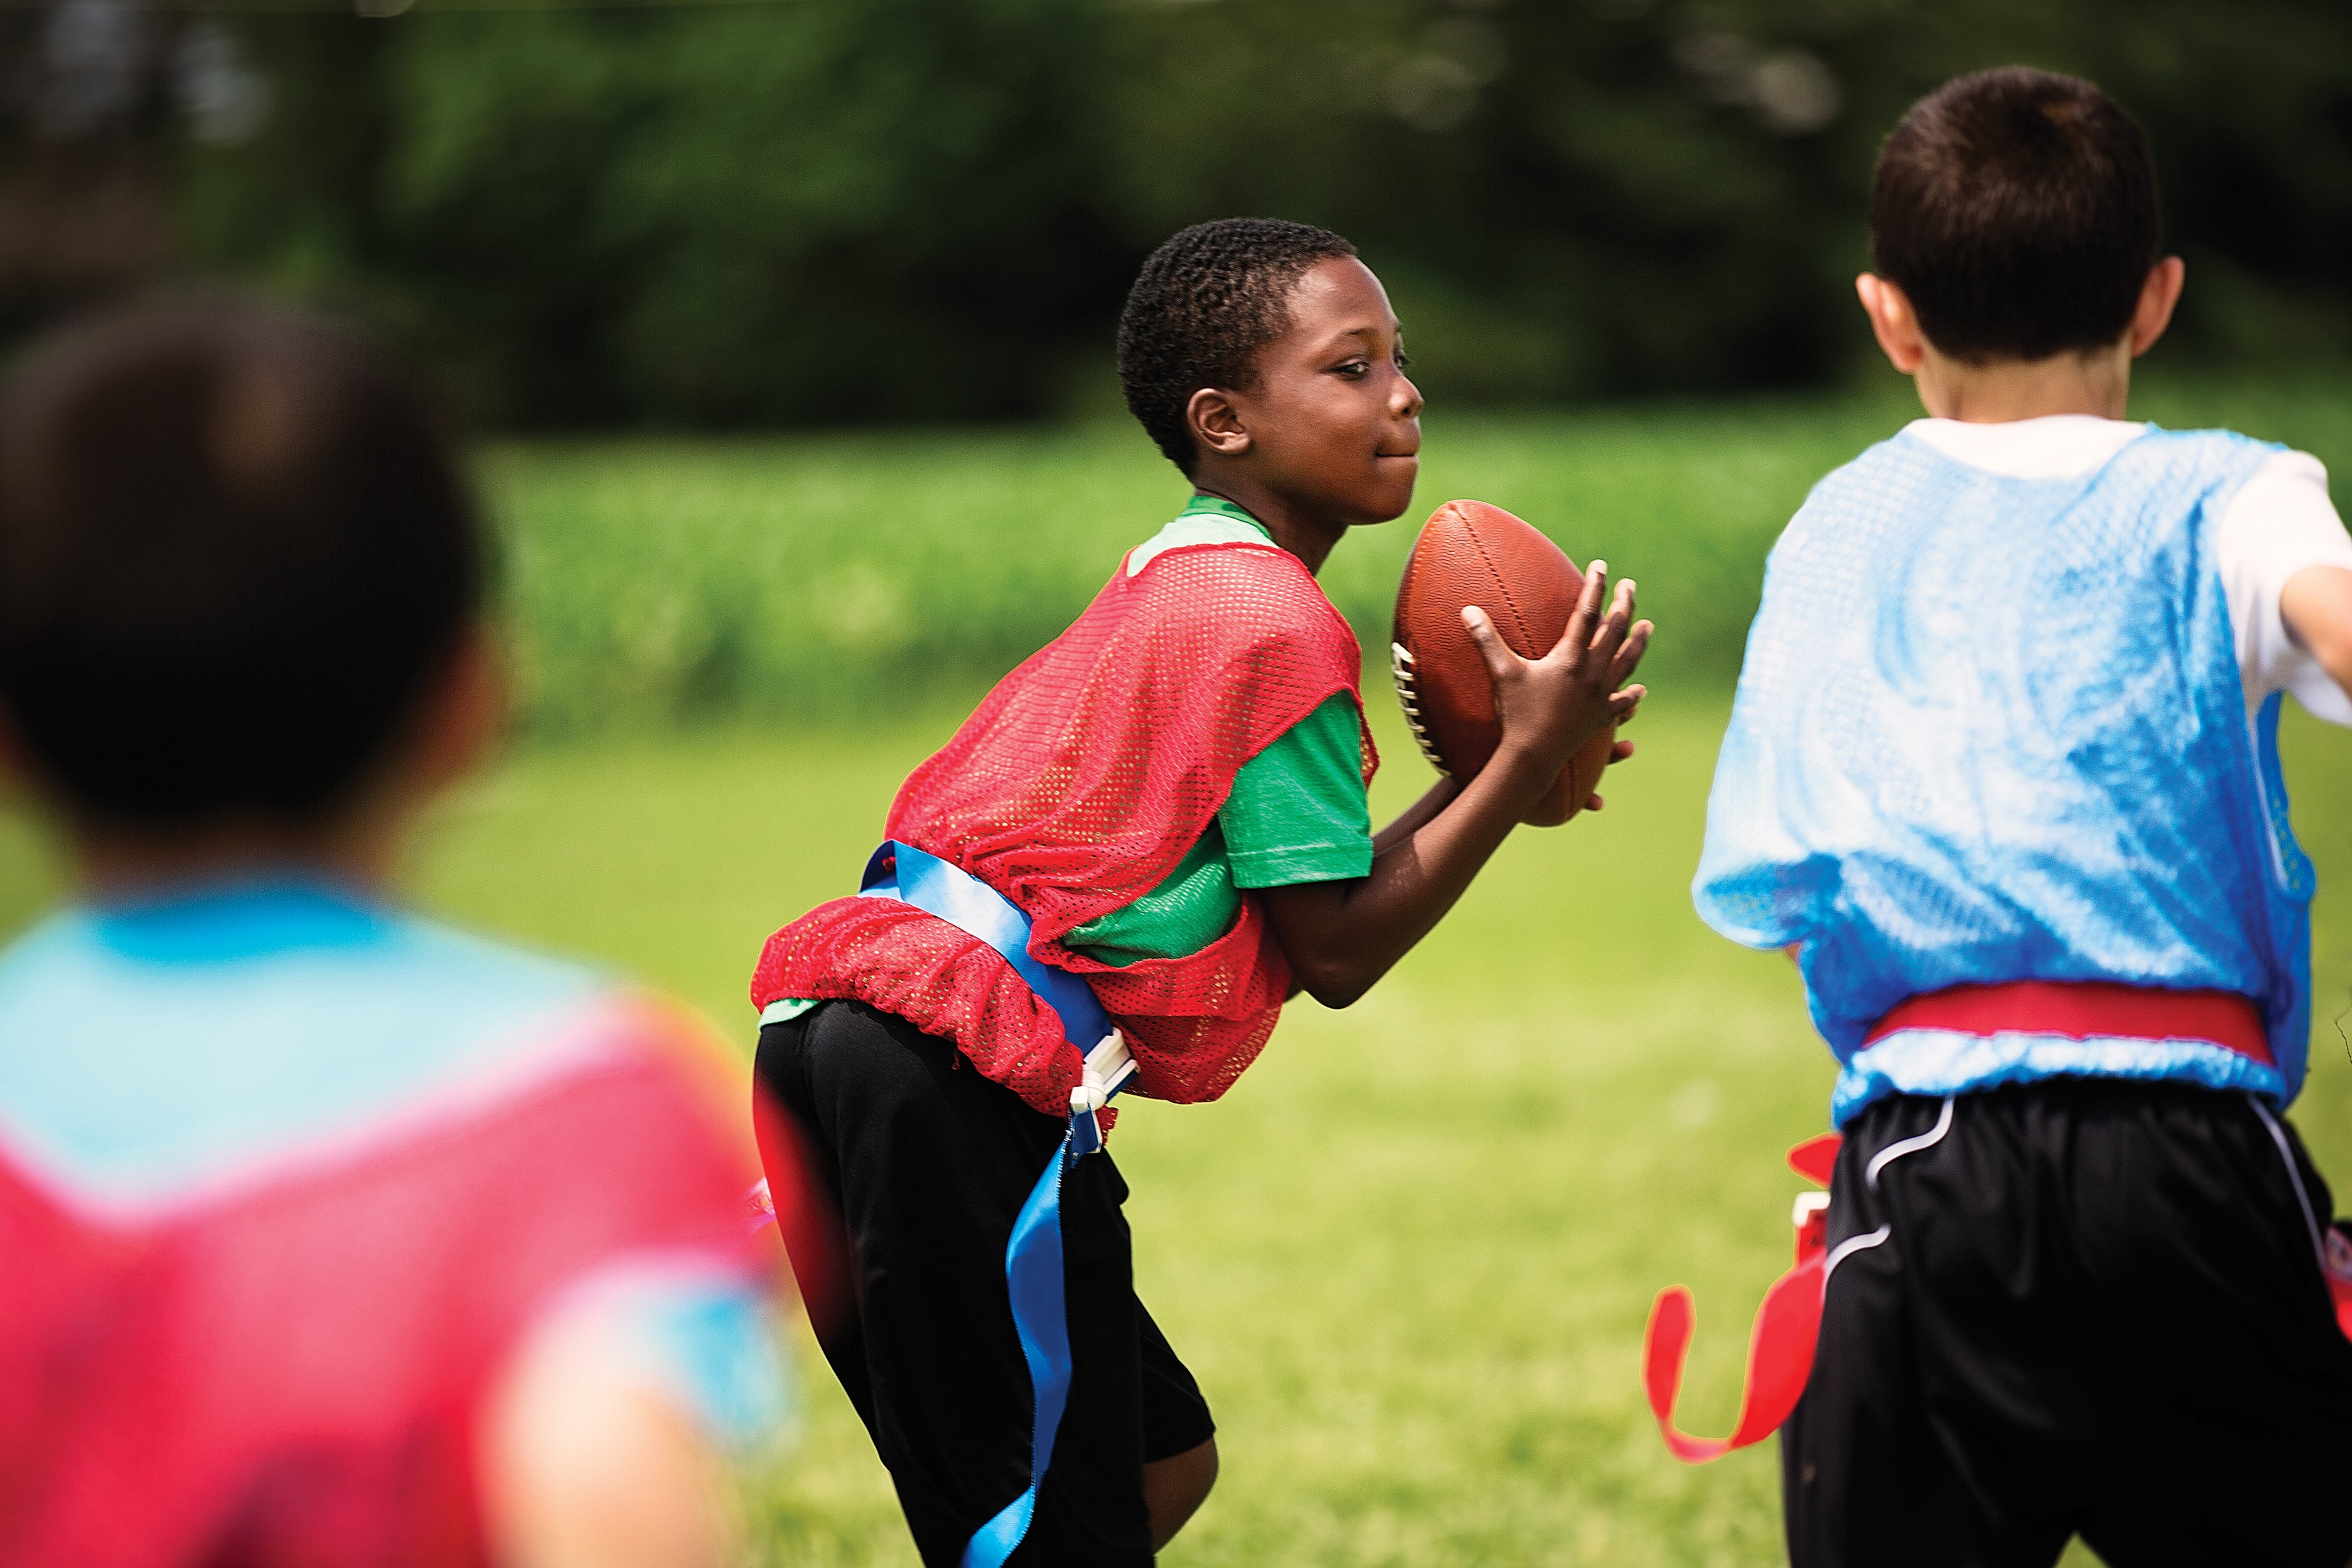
(1992, 729)
(1076, 788)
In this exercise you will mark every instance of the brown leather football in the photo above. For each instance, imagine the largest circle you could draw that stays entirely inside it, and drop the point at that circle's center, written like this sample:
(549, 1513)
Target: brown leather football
(1473, 553)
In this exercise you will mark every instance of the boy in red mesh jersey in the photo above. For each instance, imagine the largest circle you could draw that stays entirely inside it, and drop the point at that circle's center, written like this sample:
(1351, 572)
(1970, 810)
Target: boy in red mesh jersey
(1157, 823)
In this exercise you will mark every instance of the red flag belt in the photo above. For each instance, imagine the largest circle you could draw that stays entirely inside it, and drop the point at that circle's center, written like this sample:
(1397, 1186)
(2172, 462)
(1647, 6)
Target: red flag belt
(2085, 1009)
(1780, 1344)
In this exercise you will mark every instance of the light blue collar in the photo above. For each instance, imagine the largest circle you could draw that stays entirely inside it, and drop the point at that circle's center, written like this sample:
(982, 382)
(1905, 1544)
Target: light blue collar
(245, 918)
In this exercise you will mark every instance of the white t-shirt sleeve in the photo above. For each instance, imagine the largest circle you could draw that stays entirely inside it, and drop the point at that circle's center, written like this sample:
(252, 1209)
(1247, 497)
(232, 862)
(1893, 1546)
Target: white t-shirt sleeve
(2279, 523)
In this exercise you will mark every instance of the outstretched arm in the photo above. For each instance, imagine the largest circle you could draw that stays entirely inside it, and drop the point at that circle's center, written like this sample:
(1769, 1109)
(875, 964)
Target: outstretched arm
(2316, 606)
(1342, 936)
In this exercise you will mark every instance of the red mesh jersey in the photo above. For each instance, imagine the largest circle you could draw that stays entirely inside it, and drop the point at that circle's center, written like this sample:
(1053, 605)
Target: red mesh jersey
(1075, 789)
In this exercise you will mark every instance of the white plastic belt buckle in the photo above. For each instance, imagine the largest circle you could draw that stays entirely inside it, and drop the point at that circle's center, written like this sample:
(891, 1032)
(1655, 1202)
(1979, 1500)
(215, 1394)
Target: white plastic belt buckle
(1107, 1068)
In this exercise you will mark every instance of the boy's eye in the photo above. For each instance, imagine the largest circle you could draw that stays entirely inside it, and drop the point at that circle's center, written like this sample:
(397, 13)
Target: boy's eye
(1354, 367)
(1402, 359)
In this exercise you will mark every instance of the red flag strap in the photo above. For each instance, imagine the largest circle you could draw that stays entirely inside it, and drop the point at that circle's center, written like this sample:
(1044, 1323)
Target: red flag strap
(1779, 1360)
(1780, 1346)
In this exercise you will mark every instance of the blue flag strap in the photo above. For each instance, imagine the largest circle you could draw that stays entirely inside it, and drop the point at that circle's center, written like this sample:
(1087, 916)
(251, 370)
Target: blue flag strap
(1033, 1257)
(1033, 1275)
(972, 906)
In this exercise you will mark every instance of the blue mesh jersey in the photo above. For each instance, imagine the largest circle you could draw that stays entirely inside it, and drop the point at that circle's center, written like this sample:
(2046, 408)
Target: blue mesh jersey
(1992, 729)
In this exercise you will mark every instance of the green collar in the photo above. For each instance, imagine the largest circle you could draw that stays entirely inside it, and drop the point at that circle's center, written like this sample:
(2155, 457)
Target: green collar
(1205, 520)
(1218, 506)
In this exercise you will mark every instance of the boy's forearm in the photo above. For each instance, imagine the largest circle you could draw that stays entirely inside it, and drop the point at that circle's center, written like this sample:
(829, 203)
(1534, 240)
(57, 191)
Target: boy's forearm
(1433, 799)
(1341, 937)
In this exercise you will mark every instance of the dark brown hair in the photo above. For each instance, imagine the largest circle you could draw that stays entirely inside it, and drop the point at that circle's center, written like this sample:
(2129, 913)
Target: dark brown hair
(234, 551)
(2018, 210)
(1204, 305)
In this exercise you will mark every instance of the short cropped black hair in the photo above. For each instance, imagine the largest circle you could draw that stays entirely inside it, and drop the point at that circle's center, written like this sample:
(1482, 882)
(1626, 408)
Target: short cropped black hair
(2018, 210)
(1203, 306)
(234, 554)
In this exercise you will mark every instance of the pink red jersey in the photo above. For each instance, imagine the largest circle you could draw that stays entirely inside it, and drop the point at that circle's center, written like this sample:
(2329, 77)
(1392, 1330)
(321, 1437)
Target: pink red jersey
(283, 1177)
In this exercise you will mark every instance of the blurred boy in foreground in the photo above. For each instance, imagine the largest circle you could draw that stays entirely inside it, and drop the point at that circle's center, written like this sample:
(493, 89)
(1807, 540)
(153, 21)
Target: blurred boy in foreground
(332, 1236)
(2003, 772)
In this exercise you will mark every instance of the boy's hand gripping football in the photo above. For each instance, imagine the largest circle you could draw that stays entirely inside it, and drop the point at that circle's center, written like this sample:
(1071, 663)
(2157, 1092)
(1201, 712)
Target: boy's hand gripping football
(1341, 936)
(1552, 707)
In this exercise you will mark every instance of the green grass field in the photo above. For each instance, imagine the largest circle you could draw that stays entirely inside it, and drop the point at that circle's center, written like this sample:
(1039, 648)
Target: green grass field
(1411, 1254)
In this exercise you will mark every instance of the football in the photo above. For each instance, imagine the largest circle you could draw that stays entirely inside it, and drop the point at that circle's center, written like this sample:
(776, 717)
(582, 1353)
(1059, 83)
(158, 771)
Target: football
(1473, 553)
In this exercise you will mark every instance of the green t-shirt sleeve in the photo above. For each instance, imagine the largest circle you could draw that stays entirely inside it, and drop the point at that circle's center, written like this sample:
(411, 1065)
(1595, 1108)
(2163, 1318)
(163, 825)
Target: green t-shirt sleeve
(1297, 811)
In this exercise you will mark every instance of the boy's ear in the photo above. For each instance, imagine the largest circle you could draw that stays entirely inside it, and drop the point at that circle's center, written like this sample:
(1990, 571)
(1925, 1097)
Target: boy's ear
(2157, 298)
(1892, 321)
(464, 717)
(1216, 424)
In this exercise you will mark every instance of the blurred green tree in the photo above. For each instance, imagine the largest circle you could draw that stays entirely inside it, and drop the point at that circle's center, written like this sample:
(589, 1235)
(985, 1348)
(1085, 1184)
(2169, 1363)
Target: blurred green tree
(815, 211)
(837, 211)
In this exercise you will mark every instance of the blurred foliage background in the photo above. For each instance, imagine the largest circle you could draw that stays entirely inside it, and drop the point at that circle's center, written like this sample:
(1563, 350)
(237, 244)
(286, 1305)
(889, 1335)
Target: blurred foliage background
(658, 580)
(827, 212)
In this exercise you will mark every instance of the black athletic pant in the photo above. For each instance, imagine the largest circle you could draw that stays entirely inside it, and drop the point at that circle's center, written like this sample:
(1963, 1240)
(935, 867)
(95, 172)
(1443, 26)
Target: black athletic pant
(930, 1163)
(2083, 1306)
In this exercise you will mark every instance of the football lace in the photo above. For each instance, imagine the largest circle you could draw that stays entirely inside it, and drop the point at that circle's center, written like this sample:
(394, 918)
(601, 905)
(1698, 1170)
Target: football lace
(1408, 691)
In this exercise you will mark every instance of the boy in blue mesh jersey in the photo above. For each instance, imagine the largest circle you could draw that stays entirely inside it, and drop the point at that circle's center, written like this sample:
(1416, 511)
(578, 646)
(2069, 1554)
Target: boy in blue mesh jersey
(2002, 776)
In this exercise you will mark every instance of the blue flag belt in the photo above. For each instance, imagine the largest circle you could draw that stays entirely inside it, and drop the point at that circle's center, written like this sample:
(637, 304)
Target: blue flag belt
(1032, 1257)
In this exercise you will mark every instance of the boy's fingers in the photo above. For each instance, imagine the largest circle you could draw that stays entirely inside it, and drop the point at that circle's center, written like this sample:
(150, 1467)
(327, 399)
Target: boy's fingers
(1621, 604)
(1582, 621)
(1490, 644)
(1601, 648)
(1619, 751)
(1629, 653)
(1605, 652)
(1594, 803)
(1622, 703)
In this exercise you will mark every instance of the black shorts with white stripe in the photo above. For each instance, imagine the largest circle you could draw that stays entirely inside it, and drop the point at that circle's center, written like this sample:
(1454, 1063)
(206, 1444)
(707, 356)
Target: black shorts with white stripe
(2082, 1306)
(929, 1164)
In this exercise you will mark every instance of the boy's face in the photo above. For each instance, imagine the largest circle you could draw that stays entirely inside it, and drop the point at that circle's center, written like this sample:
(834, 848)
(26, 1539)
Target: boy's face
(1333, 425)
